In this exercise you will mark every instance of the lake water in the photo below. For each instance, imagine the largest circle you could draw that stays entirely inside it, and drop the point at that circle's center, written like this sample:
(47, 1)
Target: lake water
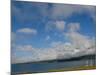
(45, 66)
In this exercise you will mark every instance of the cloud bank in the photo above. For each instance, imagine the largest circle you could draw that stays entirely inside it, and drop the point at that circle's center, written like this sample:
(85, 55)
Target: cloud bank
(79, 45)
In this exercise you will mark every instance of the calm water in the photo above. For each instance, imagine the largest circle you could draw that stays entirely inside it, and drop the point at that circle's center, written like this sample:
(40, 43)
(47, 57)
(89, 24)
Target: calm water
(44, 66)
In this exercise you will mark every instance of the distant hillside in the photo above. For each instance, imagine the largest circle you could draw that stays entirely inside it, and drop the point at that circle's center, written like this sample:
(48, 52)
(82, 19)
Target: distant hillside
(79, 58)
(85, 57)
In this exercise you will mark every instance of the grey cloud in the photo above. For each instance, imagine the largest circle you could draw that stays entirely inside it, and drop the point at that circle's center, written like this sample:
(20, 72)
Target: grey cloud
(53, 11)
(60, 11)
(25, 13)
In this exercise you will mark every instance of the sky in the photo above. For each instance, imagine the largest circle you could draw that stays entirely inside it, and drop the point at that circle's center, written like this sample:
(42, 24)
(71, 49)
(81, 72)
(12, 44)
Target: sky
(46, 31)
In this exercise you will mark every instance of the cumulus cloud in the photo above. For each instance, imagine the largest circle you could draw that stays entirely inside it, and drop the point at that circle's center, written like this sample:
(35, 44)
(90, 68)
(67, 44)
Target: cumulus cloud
(54, 44)
(46, 54)
(60, 25)
(82, 42)
(78, 45)
(57, 25)
(73, 27)
(27, 31)
(57, 51)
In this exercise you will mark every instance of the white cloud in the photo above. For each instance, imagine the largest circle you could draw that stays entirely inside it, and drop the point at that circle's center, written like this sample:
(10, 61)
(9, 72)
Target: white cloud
(27, 31)
(79, 45)
(73, 27)
(25, 48)
(82, 42)
(60, 51)
(55, 25)
(54, 44)
(46, 54)
(60, 25)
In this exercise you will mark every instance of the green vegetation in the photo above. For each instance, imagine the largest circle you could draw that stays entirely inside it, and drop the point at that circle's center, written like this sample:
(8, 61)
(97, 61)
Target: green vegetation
(74, 68)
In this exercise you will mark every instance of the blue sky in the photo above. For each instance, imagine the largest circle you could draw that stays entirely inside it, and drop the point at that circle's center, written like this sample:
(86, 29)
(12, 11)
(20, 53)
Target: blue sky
(39, 25)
